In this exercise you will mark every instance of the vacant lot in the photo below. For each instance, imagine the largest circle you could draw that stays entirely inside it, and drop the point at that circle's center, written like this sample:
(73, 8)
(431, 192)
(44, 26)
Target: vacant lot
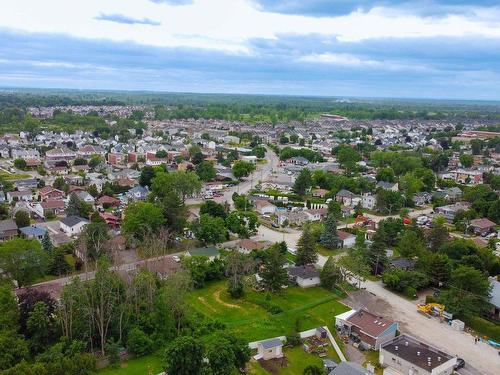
(250, 318)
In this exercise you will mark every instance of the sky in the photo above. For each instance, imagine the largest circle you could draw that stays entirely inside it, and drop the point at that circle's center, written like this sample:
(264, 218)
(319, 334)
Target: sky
(364, 48)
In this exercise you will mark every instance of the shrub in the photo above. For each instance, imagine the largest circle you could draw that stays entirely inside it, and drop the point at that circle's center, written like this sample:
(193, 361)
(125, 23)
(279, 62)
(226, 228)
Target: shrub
(139, 343)
(293, 340)
(430, 299)
(485, 327)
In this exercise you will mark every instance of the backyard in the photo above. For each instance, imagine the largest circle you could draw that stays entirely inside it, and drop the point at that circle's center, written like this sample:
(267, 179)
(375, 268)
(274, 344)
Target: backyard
(295, 309)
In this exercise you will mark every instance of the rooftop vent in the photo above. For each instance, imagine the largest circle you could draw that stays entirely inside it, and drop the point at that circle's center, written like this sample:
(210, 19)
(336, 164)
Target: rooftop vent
(439, 359)
(418, 353)
(406, 343)
(396, 348)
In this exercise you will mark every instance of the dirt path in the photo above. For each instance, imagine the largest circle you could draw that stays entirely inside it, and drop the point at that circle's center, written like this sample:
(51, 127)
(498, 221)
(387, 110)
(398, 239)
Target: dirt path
(217, 298)
(204, 302)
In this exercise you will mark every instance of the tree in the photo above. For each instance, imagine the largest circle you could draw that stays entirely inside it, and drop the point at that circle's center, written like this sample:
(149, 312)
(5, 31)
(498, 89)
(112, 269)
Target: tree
(404, 281)
(58, 265)
(438, 268)
(237, 266)
(303, 182)
(59, 183)
(220, 355)
(95, 235)
(438, 234)
(77, 207)
(377, 257)
(80, 161)
(330, 238)
(20, 163)
(466, 160)
(476, 146)
(213, 208)
(259, 151)
(242, 168)
(313, 370)
(39, 326)
(334, 209)
(389, 201)
(330, 274)
(410, 244)
(138, 342)
(92, 190)
(468, 293)
(9, 311)
(184, 356)
(161, 154)
(13, 349)
(354, 265)
(142, 218)
(147, 175)
(209, 230)
(273, 275)
(347, 156)
(306, 248)
(174, 294)
(242, 223)
(386, 174)
(206, 171)
(22, 218)
(23, 260)
(410, 184)
(184, 184)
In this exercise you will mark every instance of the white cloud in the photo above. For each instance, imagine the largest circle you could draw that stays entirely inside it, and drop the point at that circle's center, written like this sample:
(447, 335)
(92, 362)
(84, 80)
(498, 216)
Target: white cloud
(228, 25)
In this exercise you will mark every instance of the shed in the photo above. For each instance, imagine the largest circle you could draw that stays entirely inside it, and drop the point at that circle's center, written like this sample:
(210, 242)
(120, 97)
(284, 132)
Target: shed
(270, 349)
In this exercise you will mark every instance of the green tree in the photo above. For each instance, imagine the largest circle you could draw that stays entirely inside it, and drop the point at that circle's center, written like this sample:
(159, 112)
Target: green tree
(347, 156)
(313, 370)
(410, 244)
(376, 254)
(220, 355)
(242, 168)
(386, 174)
(213, 208)
(184, 184)
(147, 175)
(39, 326)
(466, 160)
(184, 356)
(242, 223)
(331, 274)
(95, 235)
(468, 293)
(329, 237)
(20, 164)
(206, 171)
(47, 243)
(209, 230)
(13, 349)
(273, 275)
(57, 264)
(142, 218)
(23, 260)
(237, 266)
(22, 218)
(306, 248)
(354, 265)
(9, 311)
(138, 342)
(438, 268)
(303, 182)
(389, 201)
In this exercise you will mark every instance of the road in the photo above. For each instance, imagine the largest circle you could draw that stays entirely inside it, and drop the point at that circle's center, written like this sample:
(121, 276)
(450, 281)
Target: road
(481, 357)
(262, 172)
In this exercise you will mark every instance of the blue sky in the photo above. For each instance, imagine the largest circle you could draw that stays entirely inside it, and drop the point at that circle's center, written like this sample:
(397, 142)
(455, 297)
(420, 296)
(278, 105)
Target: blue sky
(373, 48)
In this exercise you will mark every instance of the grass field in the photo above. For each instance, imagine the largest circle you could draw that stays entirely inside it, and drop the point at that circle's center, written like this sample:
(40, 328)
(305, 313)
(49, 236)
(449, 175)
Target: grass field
(13, 176)
(249, 318)
(147, 365)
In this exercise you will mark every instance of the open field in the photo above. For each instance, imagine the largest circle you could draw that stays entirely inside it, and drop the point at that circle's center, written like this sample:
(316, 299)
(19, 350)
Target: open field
(13, 176)
(150, 364)
(249, 316)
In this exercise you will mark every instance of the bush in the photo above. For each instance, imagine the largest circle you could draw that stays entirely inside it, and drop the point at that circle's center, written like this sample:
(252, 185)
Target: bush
(430, 299)
(410, 292)
(293, 340)
(139, 343)
(485, 327)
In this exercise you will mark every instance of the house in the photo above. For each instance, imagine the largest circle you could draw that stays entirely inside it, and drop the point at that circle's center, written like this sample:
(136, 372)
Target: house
(250, 159)
(348, 368)
(453, 192)
(110, 219)
(27, 184)
(451, 210)
(495, 298)
(464, 176)
(52, 206)
(209, 252)
(264, 207)
(269, 349)
(372, 330)
(106, 201)
(368, 201)
(482, 226)
(407, 355)
(84, 196)
(88, 151)
(8, 229)
(246, 246)
(298, 160)
(72, 225)
(16, 196)
(115, 158)
(48, 192)
(347, 239)
(402, 263)
(60, 154)
(393, 186)
(316, 214)
(33, 232)
(345, 197)
(304, 276)
(137, 193)
(422, 198)
(319, 193)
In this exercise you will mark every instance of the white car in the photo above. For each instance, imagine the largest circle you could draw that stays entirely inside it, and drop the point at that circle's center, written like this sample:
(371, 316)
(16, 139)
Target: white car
(176, 258)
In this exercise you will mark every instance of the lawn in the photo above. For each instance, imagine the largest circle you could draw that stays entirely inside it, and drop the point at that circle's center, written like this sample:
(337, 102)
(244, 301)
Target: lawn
(150, 364)
(13, 176)
(297, 360)
(327, 252)
(249, 318)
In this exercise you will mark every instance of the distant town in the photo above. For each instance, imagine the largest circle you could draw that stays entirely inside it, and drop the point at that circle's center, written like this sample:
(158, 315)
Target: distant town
(309, 243)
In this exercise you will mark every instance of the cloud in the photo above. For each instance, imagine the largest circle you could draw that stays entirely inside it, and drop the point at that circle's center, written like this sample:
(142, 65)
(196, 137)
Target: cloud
(119, 18)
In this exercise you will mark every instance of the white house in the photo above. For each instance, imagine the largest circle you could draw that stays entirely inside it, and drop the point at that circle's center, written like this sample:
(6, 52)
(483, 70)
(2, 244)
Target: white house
(250, 158)
(305, 276)
(264, 207)
(348, 239)
(72, 225)
(368, 201)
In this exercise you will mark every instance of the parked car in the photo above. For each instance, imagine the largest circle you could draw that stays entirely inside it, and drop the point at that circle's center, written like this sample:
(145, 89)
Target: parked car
(176, 258)
(460, 364)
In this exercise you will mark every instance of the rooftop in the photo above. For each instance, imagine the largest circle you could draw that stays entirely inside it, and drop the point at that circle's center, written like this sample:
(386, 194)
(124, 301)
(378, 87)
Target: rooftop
(304, 272)
(416, 352)
(369, 323)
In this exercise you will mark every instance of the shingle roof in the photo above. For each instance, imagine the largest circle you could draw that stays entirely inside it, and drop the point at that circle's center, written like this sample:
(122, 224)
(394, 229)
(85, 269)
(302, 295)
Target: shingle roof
(71, 221)
(369, 323)
(8, 224)
(348, 368)
(304, 272)
(271, 343)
